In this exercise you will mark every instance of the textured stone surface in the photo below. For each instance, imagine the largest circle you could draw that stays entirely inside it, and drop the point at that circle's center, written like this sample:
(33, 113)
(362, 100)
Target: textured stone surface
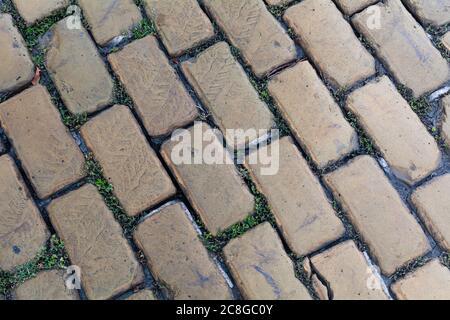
(263, 43)
(127, 160)
(17, 68)
(32, 11)
(178, 258)
(158, 94)
(351, 6)
(261, 267)
(110, 18)
(314, 117)
(404, 47)
(297, 200)
(430, 282)
(330, 42)
(446, 120)
(397, 131)
(446, 40)
(22, 231)
(216, 191)
(47, 285)
(50, 157)
(181, 24)
(77, 69)
(225, 90)
(433, 205)
(435, 12)
(142, 295)
(376, 210)
(94, 242)
(277, 2)
(348, 274)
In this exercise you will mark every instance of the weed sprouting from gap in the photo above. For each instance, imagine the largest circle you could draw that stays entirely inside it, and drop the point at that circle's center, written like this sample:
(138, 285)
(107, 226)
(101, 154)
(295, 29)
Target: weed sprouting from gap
(419, 105)
(143, 29)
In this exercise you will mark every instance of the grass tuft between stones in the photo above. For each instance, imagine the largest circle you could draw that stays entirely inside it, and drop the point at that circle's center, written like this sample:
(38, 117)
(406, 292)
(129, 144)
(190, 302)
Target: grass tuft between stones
(143, 29)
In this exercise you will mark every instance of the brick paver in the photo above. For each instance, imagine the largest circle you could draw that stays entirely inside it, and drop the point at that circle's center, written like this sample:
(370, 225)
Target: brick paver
(434, 12)
(261, 267)
(330, 42)
(32, 11)
(177, 257)
(22, 231)
(430, 282)
(182, 24)
(446, 120)
(376, 210)
(404, 47)
(352, 6)
(348, 274)
(94, 242)
(47, 285)
(110, 18)
(277, 2)
(396, 130)
(17, 68)
(297, 200)
(264, 44)
(216, 191)
(433, 205)
(127, 160)
(315, 118)
(77, 69)
(142, 296)
(50, 157)
(158, 94)
(224, 88)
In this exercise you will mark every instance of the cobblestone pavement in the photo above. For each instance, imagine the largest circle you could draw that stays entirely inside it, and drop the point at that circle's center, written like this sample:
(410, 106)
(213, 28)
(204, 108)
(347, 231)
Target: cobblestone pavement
(91, 91)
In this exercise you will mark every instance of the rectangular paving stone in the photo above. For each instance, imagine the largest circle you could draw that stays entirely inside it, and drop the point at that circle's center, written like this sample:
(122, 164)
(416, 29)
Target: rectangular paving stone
(225, 90)
(446, 122)
(50, 157)
(348, 274)
(351, 6)
(110, 18)
(177, 257)
(430, 282)
(298, 202)
(261, 267)
(95, 243)
(17, 68)
(181, 24)
(22, 231)
(433, 205)
(397, 131)
(330, 43)
(434, 12)
(263, 43)
(127, 160)
(77, 69)
(378, 213)
(215, 189)
(32, 11)
(314, 117)
(160, 98)
(404, 47)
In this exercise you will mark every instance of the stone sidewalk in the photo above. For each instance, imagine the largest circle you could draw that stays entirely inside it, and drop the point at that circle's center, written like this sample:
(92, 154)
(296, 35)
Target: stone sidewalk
(94, 206)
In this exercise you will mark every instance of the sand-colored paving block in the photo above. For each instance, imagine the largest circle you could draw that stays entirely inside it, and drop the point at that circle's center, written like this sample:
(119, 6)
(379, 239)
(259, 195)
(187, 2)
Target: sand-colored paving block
(35, 10)
(351, 6)
(434, 12)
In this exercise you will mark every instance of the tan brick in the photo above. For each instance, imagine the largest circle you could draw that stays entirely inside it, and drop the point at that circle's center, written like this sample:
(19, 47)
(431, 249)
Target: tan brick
(50, 157)
(301, 208)
(396, 130)
(446, 40)
(110, 18)
(77, 69)
(404, 47)
(351, 6)
(127, 160)
(142, 295)
(277, 2)
(177, 257)
(348, 274)
(430, 282)
(216, 191)
(317, 122)
(433, 205)
(261, 267)
(47, 285)
(94, 242)
(379, 215)
(17, 68)
(263, 43)
(22, 231)
(158, 94)
(330, 42)
(446, 122)
(435, 12)
(181, 24)
(224, 88)
(32, 11)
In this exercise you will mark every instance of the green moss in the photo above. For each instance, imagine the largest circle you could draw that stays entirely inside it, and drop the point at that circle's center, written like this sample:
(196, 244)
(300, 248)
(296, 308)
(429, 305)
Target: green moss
(419, 105)
(143, 29)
